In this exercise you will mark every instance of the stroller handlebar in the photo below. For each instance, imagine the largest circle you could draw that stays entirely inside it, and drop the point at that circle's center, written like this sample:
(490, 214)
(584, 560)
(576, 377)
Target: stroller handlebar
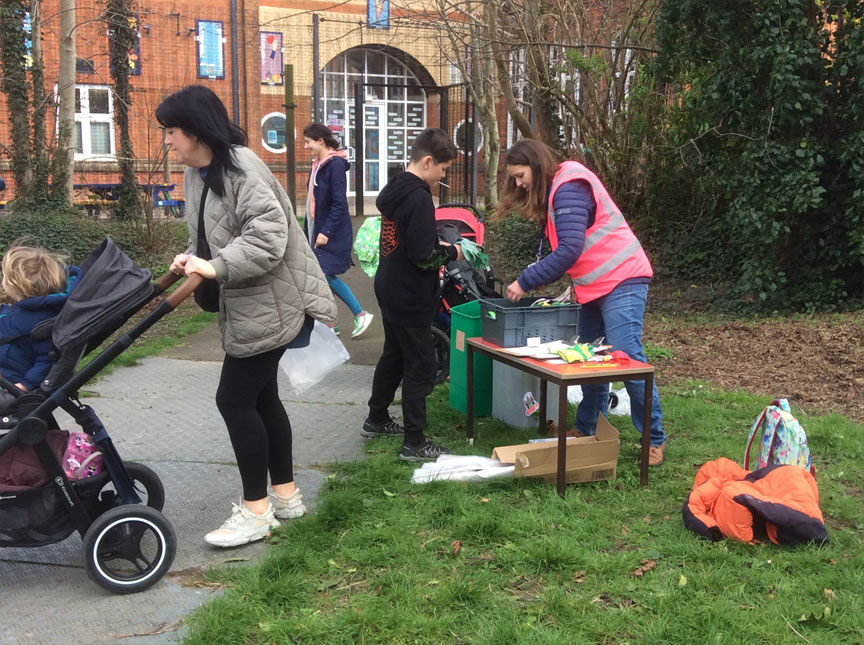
(183, 291)
(165, 282)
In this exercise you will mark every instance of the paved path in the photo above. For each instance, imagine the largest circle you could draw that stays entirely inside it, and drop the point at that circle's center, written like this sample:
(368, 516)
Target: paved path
(162, 414)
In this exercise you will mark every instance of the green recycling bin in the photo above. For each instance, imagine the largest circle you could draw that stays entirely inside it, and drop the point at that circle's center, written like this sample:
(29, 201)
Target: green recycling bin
(465, 322)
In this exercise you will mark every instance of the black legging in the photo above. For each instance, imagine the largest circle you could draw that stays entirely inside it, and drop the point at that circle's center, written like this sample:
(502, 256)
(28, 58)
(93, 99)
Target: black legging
(248, 399)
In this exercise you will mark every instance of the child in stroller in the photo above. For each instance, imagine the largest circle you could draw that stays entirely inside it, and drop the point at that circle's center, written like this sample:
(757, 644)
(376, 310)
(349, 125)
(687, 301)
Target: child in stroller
(460, 282)
(128, 545)
(38, 284)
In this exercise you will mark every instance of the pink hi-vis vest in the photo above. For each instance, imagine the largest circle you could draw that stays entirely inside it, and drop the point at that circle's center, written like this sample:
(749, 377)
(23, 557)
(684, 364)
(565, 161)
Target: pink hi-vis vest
(611, 253)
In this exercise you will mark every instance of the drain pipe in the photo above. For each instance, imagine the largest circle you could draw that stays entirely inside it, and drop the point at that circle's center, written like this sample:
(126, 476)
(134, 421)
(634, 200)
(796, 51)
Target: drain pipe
(234, 83)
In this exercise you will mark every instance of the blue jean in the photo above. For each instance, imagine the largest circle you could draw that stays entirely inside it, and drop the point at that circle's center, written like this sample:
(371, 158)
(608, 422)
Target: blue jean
(345, 294)
(618, 316)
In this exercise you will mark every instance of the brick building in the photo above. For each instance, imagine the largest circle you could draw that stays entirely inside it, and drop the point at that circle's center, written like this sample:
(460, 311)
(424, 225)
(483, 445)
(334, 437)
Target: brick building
(241, 56)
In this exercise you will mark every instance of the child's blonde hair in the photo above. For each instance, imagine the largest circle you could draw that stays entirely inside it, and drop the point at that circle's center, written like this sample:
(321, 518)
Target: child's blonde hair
(29, 271)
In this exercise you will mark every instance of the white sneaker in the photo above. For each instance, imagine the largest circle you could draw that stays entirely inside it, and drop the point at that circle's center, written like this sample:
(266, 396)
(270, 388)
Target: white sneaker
(243, 527)
(288, 508)
(361, 324)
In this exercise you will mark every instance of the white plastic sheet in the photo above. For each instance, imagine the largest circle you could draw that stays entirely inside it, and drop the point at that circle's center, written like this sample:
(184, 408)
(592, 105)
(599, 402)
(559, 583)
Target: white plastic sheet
(470, 468)
(307, 366)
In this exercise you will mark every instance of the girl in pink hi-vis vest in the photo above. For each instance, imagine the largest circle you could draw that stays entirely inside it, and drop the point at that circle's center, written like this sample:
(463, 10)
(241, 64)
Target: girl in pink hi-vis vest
(591, 243)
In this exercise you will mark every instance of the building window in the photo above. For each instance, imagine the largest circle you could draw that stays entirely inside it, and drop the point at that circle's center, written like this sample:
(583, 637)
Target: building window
(521, 92)
(94, 122)
(211, 49)
(460, 136)
(624, 63)
(271, 58)
(84, 66)
(394, 111)
(273, 132)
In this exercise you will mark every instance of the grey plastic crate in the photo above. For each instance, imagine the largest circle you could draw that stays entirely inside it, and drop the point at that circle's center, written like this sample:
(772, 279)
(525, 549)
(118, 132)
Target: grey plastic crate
(509, 324)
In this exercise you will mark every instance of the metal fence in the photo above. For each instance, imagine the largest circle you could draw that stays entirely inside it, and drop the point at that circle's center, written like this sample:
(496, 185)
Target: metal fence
(453, 112)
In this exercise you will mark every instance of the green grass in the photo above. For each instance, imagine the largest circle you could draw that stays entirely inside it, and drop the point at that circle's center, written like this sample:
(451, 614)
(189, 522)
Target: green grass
(385, 561)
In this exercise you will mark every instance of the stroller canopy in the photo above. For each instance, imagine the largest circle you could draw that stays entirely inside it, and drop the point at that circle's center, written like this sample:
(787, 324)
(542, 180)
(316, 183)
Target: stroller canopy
(111, 287)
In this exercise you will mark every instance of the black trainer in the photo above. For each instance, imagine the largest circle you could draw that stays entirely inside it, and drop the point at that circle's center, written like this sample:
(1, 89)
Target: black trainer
(427, 451)
(387, 428)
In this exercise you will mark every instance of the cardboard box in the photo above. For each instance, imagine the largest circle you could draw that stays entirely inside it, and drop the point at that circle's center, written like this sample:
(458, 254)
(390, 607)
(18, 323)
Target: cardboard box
(588, 458)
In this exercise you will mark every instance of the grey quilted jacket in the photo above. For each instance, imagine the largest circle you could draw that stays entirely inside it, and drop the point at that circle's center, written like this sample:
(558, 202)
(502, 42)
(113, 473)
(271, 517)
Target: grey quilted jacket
(268, 275)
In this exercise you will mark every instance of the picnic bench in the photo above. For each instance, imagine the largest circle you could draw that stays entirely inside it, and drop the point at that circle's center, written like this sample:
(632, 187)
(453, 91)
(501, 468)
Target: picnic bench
(105, 194)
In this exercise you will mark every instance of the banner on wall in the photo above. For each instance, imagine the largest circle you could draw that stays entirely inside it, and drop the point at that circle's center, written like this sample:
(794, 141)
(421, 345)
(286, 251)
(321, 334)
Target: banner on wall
(378, 14)
(28, 41)
(271, 58)
(211, 49)
(134, 51)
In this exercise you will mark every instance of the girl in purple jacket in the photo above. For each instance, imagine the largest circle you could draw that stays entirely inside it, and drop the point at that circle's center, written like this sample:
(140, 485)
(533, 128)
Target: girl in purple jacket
(328, 223)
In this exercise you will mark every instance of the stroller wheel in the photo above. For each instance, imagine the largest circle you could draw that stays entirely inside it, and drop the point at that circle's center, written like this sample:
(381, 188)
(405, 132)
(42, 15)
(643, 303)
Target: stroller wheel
(146, 483)
(129, 548)
(441, 351)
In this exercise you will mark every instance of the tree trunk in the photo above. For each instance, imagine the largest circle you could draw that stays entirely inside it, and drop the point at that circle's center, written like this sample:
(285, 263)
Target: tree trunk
(64, 158)
(123, 34)
(15, 86)
(488, 116)
(545, 107)
(504, 83)
(40, 103)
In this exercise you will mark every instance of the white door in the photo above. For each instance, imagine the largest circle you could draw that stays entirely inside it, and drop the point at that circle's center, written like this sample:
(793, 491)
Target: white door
(374, 150)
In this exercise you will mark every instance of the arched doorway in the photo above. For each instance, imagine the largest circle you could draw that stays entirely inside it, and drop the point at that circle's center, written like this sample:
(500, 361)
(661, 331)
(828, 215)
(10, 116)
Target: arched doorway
(394, 111)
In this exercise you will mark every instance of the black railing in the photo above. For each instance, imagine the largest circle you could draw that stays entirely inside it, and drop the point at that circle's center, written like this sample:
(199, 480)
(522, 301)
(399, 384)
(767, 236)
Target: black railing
(456, 116)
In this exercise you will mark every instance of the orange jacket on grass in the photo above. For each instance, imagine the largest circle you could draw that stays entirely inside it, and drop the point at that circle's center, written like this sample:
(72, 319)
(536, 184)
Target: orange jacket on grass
(780, 503)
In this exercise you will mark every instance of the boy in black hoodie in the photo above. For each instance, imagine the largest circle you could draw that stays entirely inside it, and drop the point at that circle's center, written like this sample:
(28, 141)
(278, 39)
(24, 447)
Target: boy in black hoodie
(406, 286)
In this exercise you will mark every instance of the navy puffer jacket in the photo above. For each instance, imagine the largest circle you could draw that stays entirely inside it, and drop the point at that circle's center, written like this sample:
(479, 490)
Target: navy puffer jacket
(332, 217)
(22, 360)
(574, 213)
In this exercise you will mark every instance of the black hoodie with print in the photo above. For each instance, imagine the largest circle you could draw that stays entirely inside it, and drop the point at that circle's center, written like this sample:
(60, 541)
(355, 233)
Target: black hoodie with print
(406, 283)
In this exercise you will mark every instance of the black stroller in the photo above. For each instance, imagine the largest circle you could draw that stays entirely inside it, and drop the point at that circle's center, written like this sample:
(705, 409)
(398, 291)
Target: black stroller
(128, 543)
(459, 281)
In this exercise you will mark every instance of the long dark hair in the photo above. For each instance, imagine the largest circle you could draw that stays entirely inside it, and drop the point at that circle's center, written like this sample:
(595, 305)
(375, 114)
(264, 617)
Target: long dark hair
(544, 164)
(316, 131)
(201, 114)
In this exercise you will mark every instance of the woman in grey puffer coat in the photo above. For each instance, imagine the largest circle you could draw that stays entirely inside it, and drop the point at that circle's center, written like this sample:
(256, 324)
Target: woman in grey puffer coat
(270, 290)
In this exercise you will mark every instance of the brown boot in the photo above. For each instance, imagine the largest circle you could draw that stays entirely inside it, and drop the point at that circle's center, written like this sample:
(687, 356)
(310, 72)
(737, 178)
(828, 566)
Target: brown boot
(575, 432)
(655, 454)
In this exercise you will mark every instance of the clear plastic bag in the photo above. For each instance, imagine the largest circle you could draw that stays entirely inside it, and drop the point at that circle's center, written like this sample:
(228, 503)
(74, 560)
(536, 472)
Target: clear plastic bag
(307, 366)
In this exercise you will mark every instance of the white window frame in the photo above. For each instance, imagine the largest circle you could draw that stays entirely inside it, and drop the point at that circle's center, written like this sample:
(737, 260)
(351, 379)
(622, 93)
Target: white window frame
(521, 92)
(85, 119)
(630, 69)
(557, 58)
(264, 141)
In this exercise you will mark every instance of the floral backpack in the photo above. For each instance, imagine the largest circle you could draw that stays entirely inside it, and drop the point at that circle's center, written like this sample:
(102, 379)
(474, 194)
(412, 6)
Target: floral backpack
(782, 440)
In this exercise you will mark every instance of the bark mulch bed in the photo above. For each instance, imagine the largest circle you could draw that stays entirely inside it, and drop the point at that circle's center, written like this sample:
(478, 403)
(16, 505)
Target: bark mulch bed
(817, 362)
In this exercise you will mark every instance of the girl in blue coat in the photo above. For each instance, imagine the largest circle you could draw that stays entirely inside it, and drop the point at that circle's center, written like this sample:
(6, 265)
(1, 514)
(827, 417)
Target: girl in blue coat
(328, 224)
(38, 284)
